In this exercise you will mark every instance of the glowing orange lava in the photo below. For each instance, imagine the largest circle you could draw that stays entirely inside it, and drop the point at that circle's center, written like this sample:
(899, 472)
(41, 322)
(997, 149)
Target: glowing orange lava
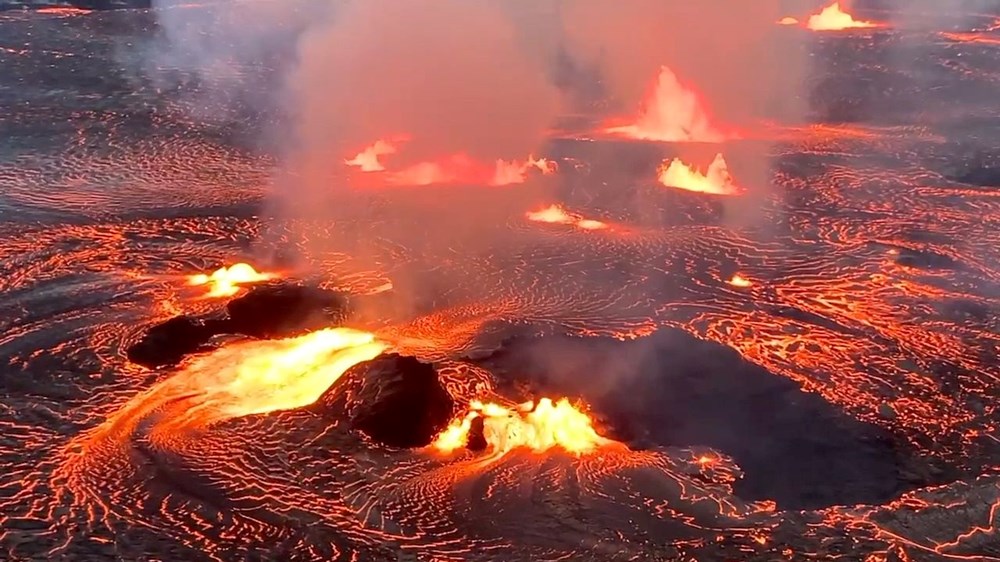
(740, 281)
(227, 281)
(63, 11)
(460, 168)
(788, 21)
(257, 377)
(832, 18)
(716, 180)
(368, 159)
(673, 112)
(555, 214)
(537, 428)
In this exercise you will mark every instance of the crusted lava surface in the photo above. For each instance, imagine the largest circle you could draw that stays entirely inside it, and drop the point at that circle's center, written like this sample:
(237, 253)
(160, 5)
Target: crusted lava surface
(841, 404)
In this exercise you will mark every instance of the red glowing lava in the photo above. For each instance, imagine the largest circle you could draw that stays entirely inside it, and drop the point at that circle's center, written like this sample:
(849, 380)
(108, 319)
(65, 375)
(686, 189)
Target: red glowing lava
(833, 18)
(673, 112)
(716, 180)
(555, 214)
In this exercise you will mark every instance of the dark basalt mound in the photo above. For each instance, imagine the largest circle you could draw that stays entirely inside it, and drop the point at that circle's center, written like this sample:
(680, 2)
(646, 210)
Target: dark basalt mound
(167, 343)
(281, 310)
(399, 402)
(672, 389)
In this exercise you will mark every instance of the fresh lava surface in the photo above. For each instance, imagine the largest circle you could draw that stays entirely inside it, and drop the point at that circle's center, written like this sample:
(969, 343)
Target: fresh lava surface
(257, 377)
(833, 18)
(716, 180)
(535, 427)
(227, 281)
(555, 214)
(673, 112)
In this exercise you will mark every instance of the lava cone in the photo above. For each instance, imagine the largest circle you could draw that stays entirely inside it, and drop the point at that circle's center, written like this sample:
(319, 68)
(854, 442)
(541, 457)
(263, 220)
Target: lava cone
(400, 402)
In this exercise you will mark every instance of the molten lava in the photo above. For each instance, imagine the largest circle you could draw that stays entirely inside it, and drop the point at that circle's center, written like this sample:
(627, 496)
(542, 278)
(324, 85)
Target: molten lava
(368, 159)
(740, 281)
(257, 377)
(536, 427)
(788, 21)
(227, 281)
(673, 112)
(832, 18)
(555, 214)
(716, 180)
(460, 168)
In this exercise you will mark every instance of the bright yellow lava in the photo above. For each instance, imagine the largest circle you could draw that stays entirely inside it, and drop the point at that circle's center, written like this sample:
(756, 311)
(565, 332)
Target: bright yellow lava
(832, 18)
(226, 281)
(716, 180)
(537, 428)
(257, 377)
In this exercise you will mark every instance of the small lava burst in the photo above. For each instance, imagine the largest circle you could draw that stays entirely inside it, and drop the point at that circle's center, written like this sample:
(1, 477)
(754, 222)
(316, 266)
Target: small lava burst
(716, 180)
(535, 427)
(788, 20)
(673, 112)
(368, 159)
(740, 281)
(555, 214)
(833, 18)
(227, 281)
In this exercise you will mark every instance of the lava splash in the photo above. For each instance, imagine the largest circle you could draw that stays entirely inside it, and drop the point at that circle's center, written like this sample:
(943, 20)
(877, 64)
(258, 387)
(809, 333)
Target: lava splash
(227, 281)
(833, 18)
(368, 159)
(673, 112)
(535, 427)
(716, 180)
(555, 214)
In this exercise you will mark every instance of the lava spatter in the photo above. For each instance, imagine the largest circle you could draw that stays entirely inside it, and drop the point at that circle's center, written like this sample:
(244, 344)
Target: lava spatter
(537, 427)
(227, 281)
(672, 112)
(716, 180)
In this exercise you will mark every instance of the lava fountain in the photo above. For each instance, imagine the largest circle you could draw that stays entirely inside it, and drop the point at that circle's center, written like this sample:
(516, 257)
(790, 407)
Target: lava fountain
(537, 427)
(833, 18)
(673, 112)
(368, 159)
(716, 180)
(227, 281)
(555, 214)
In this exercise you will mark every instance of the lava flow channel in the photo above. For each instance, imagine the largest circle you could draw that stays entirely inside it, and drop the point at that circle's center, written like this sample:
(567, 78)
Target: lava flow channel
(672, 112)
(253, 377)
